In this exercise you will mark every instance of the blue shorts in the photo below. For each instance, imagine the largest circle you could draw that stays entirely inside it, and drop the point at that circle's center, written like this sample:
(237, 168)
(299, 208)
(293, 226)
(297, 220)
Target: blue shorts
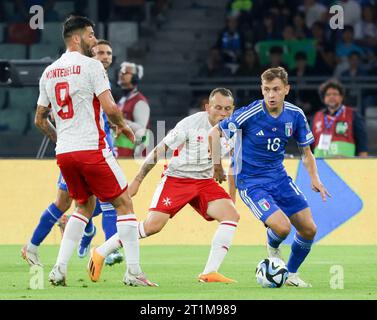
(61, 183)
(264, 200)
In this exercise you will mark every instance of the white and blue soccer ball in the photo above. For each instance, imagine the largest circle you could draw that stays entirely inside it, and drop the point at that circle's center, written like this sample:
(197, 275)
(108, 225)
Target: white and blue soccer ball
(271, 273)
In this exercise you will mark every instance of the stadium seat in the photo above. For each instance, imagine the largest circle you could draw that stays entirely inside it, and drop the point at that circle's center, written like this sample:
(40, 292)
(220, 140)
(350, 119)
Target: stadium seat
(3, 97)
(122, 35)
(42, 50)
(64, 8)
(12, 51)
(13, 121)
(52, 33)
(100, 30)
(23, 99)
(2, 31)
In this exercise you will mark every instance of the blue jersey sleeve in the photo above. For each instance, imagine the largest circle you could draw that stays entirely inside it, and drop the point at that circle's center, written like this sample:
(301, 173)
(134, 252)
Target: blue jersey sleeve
(303, 134)
(109, 137)
(229, 126)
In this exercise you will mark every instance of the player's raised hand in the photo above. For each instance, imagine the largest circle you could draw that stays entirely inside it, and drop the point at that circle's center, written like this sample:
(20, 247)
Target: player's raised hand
(218, 173)
(317, 186)
(133, 187)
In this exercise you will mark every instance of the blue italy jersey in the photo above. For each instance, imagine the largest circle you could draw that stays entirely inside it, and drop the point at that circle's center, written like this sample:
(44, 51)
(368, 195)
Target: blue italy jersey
(261, 140)
(109, 138)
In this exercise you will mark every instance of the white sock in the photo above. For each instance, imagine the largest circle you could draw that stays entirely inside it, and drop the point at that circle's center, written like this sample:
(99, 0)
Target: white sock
(109, 246)
(73, 233)
(220, 245)
(128, 235)
(32, 247)
(141, 229)
(114, 242)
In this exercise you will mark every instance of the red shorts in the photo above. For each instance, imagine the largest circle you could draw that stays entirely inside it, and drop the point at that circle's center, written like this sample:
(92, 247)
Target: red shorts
(92, 172)
(174, 193)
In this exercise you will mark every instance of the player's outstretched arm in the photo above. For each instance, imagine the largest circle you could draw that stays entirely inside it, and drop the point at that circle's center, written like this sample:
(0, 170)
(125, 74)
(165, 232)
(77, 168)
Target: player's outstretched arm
(115, 116)
(215, 153)
(232, 185)
(42, 123)
(311, 166)
(150, 161)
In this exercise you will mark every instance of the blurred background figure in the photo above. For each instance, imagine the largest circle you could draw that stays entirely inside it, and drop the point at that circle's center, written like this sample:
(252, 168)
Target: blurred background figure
(339, 131)
(135, 109)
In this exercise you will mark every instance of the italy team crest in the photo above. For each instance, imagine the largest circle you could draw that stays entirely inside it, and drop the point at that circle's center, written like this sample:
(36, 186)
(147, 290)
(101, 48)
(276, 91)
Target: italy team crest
(288, 129)
(264, 204)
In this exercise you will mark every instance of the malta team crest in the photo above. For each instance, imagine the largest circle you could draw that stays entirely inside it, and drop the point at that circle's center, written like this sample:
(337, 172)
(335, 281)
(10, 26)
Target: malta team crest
(288, 129)
(264, 204)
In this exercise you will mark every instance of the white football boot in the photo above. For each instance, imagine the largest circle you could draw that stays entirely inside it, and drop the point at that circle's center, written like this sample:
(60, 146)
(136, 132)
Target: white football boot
(57, 275)
(32, 258)
(274, 252)
(139, 280)
(295, 281)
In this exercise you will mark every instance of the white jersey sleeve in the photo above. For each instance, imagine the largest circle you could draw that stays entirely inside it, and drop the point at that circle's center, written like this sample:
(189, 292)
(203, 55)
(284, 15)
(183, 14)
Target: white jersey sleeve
(43, 99)
(98, 77)
(177, 136)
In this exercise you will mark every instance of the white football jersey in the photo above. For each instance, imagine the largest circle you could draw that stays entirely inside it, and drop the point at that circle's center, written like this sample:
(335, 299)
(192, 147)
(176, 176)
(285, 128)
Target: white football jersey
(190, 137)
(70, 86)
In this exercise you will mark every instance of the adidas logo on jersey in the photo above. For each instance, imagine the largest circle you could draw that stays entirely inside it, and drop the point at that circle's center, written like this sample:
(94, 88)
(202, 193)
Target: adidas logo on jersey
(260, 133)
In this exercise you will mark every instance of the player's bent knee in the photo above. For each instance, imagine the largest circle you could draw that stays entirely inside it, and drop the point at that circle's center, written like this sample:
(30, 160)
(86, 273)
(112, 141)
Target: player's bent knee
(310, 232)
(154, 228)
(63, 204)
(283, 230)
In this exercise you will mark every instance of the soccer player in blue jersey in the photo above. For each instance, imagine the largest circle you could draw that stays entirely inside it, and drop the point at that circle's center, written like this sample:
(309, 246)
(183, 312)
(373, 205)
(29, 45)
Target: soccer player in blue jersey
(56, 210)
(262, 130)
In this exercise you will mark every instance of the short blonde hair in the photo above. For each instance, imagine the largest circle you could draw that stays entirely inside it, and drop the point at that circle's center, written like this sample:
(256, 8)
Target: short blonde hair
(273, 73)
(223, 91)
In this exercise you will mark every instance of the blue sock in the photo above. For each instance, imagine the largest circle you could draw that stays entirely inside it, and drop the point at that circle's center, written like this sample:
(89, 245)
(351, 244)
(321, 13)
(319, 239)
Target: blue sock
(273, 239)
(89, 233)
(299, 250)
(109, 220)
(89, 227)
(47, 221)
(97, 210)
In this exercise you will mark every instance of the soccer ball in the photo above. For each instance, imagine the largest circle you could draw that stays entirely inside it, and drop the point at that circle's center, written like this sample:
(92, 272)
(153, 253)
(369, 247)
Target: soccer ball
(271, 273)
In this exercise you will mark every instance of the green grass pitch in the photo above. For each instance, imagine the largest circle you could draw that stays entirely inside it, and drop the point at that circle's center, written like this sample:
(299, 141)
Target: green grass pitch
(175, 269)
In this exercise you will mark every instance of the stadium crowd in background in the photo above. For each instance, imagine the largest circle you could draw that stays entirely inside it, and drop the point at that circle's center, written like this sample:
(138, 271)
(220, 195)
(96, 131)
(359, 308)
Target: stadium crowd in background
(287, 33)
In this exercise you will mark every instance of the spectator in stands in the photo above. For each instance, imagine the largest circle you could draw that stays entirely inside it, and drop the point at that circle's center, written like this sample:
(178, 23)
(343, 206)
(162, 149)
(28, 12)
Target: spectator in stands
(306, 99)
(129, 10)
(325, 61)
(355, 66)
(240, 9)
(289, 33)
(339, 131)
(214, 66)
(276, 58)
(344, 49)
(366, 29)
(347, 44)
(302, 31)
(282, 10)
(352, 12)
(266, 30)
(22, 8)
(249, 66)
(159, 11)
(135, 109)
(231, 42)
(314, 11)
(302, 69)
